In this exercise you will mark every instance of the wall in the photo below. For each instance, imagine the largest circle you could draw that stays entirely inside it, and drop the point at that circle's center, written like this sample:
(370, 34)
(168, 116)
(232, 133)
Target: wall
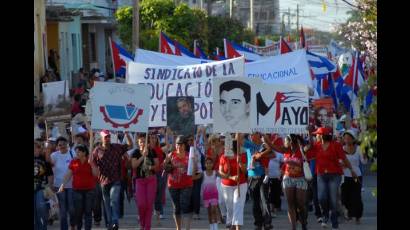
(40, 52)
(101, 47)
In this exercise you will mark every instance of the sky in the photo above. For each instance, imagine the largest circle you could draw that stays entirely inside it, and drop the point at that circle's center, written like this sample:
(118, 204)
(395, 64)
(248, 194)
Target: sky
(311, 14)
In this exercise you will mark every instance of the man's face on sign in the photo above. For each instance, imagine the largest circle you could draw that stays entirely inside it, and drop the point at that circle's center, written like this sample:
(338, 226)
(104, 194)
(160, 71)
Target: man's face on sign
(184, 109)
(322, 117)
(233, 106)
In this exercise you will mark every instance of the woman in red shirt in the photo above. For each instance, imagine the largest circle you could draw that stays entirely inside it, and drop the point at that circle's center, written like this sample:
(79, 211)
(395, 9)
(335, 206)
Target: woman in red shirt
(83, 173)
(235, 202)
(294, 182)
(179, 182)
(329, 171)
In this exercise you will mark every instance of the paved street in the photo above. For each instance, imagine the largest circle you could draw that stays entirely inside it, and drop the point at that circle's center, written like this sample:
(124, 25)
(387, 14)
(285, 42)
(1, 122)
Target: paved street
(369, 220)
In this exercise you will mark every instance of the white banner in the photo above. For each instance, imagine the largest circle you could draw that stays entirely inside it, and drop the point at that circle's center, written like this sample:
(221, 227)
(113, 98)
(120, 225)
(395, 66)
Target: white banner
(56, 98)
(120, 107)
(282, 109)
(232, 104)
(268, 50)
(185, 80)
(151, 57)
(318, 49)
(289, 68)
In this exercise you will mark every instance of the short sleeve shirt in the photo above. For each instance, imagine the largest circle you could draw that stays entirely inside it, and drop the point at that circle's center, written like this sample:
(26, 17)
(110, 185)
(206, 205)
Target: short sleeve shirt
(231, 162)
(142, 171)
(108, 162)
(179, 178)
(252, 148)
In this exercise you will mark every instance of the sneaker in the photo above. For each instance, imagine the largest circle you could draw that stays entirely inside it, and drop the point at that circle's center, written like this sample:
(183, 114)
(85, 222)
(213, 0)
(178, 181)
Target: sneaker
(358, 221)
(273, 215)
(115, 227)
(324, 225)
(320, 220)
(161, 217)
(268, 227)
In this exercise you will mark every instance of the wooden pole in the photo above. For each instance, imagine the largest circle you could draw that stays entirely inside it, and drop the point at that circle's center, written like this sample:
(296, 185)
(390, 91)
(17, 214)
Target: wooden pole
(238, 151)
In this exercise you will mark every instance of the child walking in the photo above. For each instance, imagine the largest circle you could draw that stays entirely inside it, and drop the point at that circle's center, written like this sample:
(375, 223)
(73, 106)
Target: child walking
(210, 194)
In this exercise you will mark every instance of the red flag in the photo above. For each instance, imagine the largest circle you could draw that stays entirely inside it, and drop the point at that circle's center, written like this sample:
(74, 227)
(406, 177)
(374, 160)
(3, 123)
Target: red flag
(230, 51)
(302, 38)
(284, 47)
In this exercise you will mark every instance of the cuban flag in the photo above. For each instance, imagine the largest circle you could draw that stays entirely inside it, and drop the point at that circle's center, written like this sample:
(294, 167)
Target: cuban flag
(198, 51)
(320, 65)
(218, 55)
(284, 47)
(233, 50)
(119, 58)
(353, 80)
(169, 46)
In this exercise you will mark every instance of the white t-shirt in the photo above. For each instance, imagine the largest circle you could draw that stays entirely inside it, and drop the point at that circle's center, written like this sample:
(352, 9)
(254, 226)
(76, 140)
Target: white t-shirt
(274, 165)
(354, 160)
(60, 168)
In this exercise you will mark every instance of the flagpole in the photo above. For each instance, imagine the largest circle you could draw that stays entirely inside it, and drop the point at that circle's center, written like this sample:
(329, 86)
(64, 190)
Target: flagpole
(195, 48)
(112, 58)
(280, 44)
(225, 48)
(354, 83)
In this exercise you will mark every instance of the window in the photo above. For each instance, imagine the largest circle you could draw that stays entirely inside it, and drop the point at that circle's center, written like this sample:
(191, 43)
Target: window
(272, 15)
(93, 48)
(263, 16)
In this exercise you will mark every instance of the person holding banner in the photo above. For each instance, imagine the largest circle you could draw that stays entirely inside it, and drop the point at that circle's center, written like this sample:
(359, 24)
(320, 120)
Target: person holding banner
(179, 182)
(233, 194)
(255, 151)
(108, 159)
(328, 154)
(294, 182)
(161, 179)
(144, 161)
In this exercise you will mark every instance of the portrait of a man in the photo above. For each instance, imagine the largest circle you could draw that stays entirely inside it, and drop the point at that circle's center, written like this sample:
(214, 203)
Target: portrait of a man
(180, 115)
(234, 103)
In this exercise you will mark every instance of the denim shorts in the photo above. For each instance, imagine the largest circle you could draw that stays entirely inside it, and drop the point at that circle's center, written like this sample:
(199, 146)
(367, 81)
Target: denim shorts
(181, 200)
(294, 182)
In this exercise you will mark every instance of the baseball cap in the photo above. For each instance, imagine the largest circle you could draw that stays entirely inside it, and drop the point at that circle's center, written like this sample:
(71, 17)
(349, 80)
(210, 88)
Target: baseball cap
(104, 133)
(351, 133)
(323, 131)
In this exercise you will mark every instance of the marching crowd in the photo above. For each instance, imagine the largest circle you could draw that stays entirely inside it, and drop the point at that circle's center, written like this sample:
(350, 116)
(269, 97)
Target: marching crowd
(90, 183)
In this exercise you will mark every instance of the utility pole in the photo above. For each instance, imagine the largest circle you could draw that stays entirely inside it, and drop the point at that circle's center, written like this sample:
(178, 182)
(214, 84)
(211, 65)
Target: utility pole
(251, 14)
(297, 18)
(230, 8)
(135, 25)
(289, 19)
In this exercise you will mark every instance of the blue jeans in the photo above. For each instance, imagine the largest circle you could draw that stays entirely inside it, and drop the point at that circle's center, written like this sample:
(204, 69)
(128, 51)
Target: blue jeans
(66, 208)
(161, 183)
(111, 197)
(40, 211)
(83, 206)
(328, 185)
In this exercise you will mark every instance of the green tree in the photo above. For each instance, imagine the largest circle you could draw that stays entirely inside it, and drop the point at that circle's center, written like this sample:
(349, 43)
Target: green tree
(181, 23)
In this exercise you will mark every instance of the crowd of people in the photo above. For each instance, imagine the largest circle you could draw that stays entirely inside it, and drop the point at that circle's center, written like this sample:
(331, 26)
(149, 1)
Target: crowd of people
(91, 182)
